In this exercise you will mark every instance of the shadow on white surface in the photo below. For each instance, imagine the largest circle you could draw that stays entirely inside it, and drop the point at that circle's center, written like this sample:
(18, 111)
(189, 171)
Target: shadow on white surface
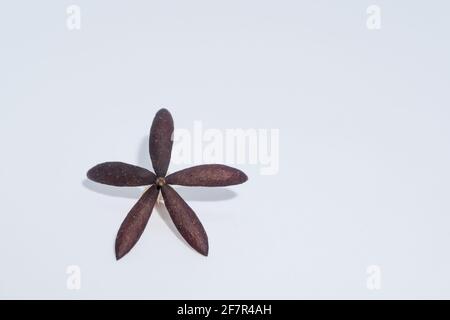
(188, 193)
(205, 193)
(143, 156)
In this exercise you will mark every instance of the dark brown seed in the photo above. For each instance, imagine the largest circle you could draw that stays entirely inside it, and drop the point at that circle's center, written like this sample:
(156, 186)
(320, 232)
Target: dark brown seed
(209, 175)
(134, 224)
(161, 140)
(185, 220)
(121, 174)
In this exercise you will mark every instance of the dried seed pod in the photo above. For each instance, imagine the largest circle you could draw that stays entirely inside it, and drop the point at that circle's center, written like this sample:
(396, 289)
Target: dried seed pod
(161, 140)
(208, 175)
(185, 220)
(134, 224)
(121, 174)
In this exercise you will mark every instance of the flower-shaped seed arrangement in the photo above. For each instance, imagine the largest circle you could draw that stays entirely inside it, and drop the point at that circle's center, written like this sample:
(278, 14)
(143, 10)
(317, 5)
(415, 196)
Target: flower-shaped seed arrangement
(126, 175)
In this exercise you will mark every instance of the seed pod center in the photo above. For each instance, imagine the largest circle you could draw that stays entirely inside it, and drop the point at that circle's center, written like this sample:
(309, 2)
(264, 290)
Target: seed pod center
(160, 181)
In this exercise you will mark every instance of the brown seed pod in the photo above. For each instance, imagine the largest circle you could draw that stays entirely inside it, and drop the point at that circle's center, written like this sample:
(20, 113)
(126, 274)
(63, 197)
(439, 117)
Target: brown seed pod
(185, 220)
(134, 224)
(121, 174)
(207, 175)
(161, 140)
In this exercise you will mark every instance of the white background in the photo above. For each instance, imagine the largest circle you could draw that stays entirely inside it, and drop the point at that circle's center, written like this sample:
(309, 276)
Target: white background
(364, 146)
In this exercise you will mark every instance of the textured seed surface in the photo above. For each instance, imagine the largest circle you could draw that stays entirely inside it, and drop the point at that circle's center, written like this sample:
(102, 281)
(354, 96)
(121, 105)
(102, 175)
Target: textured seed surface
(160, 142)
(209, 175)
(185, 220)
(121, 174)
(134, 224)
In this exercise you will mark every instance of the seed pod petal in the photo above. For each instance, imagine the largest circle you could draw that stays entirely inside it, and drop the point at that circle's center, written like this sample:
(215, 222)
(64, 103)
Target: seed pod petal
(121, 174)
(161, 140)
(135, 222)
(208, 175)
(185, 220)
